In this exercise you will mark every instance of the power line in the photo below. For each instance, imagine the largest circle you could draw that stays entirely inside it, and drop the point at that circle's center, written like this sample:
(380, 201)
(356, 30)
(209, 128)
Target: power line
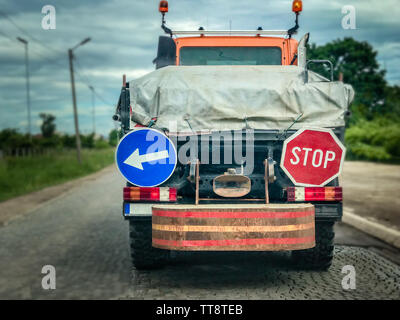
(27, 33)
(53, 61)
(85, 79)
(101, 98)
(6, 36)
(81, 74)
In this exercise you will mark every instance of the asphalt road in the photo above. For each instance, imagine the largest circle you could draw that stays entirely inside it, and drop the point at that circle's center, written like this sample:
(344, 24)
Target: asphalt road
(369, 190)
(83, 235)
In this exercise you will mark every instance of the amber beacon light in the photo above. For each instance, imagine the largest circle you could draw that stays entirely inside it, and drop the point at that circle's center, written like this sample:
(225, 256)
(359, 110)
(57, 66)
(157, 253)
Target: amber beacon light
(163, 6)
(296, 7)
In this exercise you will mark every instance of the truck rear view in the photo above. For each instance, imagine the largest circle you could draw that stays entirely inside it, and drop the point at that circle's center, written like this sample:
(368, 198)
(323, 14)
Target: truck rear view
(232, 144)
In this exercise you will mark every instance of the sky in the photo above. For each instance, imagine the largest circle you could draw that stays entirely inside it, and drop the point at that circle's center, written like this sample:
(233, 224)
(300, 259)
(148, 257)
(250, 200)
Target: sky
(124, 36)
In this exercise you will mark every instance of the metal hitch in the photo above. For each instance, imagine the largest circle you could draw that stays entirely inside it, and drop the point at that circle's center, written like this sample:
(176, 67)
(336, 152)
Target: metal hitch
(231, 184)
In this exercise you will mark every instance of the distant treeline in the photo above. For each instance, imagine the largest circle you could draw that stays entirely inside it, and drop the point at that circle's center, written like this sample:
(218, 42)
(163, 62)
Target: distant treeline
(14, 143)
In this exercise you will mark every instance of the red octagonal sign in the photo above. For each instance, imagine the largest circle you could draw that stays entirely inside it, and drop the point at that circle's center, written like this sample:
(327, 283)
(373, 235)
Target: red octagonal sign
(312, 157)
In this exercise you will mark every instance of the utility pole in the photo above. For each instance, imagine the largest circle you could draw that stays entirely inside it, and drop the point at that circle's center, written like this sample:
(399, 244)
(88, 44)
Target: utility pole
(93, 109)
(71, 70)
(28, 99)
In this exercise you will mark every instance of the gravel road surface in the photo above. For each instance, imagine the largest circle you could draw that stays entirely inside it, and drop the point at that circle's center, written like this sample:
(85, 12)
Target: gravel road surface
(82, 234)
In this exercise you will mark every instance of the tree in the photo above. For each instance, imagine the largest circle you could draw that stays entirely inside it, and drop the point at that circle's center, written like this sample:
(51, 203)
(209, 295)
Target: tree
(48, 126)
(392, 100)
(12, 139)
(113, 137)
(357, 61)
(88, 141)
(68, 141)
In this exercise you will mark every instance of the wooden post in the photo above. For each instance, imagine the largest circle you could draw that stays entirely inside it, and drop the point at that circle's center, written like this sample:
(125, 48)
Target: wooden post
(77, 136)
(266, 181)
(197, 181)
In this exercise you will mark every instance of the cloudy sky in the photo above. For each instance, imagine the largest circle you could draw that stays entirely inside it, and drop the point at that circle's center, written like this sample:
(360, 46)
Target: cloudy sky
(124, 38)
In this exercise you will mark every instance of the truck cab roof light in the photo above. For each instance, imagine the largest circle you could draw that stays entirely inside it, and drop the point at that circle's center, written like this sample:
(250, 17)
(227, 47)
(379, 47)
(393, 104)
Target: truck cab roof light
(297, 6)
(163, 6)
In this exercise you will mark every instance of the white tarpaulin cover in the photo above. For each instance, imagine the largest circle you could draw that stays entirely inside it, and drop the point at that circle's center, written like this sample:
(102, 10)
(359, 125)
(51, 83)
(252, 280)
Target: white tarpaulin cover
(229, 97)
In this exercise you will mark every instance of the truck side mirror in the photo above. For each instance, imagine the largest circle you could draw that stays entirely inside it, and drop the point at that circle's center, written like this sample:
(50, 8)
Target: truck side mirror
(166, 53)
(320, 62)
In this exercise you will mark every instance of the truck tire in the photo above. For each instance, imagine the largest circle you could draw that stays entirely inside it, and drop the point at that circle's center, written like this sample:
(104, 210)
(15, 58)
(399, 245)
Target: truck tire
(320, 257)
(144, 256)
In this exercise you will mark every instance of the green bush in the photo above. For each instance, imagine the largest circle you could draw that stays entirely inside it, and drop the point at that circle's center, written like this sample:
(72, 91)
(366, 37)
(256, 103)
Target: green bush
(68, 141)
(87, 141)
(367, 152)
(12, 139)
(52, 142)
(101, 144)
(113, 138)
(376, 140)
(392, 143)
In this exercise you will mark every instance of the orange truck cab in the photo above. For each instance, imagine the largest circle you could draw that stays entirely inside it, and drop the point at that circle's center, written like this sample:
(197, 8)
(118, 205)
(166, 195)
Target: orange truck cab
(229, 47)
(235, 50)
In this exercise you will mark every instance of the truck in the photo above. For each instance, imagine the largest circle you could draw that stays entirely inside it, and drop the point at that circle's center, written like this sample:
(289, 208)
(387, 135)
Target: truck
(257, 138)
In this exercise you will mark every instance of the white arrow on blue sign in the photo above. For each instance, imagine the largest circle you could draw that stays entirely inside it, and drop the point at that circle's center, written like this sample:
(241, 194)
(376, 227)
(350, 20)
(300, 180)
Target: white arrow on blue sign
(146, 157)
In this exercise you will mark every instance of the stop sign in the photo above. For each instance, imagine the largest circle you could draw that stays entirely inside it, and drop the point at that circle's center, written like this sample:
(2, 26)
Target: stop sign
(312, 157)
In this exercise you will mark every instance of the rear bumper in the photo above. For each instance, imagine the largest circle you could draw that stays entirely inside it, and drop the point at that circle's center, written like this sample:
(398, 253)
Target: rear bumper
(234, 227)
(323, 211)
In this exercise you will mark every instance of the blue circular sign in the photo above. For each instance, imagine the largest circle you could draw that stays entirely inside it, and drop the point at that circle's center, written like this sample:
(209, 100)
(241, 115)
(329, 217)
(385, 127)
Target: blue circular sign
(146, 157)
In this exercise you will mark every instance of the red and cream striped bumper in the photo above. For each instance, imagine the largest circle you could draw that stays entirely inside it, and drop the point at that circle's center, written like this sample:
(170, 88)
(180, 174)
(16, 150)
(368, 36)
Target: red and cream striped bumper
(272, 227)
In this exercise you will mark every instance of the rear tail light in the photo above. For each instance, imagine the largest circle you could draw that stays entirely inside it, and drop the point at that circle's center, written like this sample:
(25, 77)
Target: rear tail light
(314, 194)
(154, 194)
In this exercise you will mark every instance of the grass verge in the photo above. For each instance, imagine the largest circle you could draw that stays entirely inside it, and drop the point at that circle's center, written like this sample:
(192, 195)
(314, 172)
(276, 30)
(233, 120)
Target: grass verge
(19, 176)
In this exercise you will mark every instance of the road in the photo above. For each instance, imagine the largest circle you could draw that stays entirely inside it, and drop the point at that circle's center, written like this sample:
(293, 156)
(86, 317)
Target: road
(370, 190)
(82, 234)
